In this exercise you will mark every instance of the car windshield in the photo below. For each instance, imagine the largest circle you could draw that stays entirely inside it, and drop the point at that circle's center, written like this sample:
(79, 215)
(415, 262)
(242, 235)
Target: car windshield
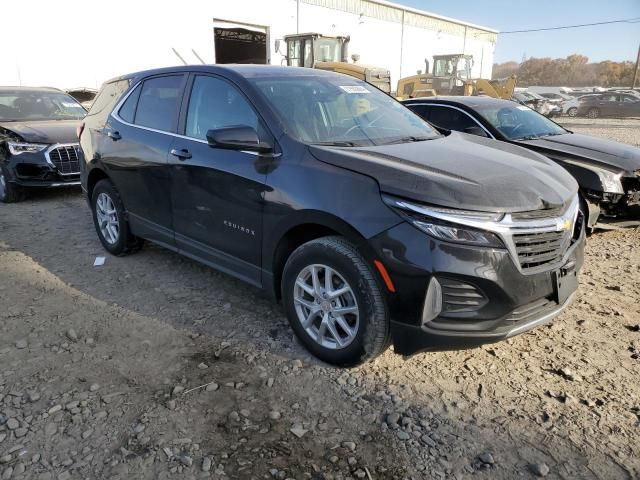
(31, 105)
(517, 122)
(340, 111)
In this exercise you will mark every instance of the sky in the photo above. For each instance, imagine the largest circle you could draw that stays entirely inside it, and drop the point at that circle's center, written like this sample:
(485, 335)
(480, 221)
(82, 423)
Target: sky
(616, 42)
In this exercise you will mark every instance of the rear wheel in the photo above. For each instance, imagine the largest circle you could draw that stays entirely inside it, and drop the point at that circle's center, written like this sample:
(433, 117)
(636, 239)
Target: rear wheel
(593, 113)
(110, 220)
(334, 302)
(572, 112)
(9, 192)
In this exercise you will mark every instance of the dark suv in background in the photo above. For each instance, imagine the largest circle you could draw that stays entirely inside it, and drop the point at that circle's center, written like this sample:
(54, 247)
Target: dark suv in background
(38, 140)
(367, 223)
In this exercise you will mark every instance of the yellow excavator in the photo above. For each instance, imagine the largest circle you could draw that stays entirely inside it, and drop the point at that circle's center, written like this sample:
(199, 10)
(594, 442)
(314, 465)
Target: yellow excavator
(451, 75)
(325, 52)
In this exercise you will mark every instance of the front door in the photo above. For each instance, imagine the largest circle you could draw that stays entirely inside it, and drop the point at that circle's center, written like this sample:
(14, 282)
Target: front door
(217, 194)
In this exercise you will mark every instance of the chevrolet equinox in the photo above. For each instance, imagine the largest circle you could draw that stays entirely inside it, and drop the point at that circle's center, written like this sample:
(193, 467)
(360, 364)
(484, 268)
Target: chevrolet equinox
(369, 225)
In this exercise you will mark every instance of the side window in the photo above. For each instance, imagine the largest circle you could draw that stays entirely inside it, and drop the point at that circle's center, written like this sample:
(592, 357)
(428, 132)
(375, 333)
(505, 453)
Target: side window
(293, 53)
(628, 99)
(451, 118)
(215, 103)
(128, 110)
(159, 102)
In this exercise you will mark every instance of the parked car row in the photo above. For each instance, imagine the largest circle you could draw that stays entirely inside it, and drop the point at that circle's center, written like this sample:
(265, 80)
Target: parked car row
(371, 225)
(611, 103)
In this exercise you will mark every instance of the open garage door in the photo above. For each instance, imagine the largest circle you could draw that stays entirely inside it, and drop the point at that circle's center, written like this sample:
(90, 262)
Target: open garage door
(240, 43)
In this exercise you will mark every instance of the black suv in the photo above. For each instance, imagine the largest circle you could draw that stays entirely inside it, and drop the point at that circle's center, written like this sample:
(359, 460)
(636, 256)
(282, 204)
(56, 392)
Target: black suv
(367, 223)
(38, 140)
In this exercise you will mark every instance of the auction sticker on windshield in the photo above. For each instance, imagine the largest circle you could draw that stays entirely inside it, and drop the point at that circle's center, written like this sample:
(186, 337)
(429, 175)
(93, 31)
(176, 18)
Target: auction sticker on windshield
(354, 89)
(522, 107)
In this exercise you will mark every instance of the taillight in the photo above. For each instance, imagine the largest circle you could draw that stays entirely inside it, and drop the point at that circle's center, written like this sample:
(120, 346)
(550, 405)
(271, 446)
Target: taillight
(80, 129)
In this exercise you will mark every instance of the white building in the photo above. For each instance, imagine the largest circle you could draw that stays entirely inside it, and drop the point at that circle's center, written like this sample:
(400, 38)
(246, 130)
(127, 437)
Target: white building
(72, 43)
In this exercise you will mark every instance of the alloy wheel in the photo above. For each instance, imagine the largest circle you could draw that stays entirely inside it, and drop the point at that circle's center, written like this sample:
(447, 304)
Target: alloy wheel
(107, 218)
(326, 306)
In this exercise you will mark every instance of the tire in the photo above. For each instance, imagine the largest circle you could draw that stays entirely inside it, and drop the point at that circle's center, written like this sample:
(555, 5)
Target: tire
(572, 112)
(369, 325)
(593, 113)
(9, 192)
(106, 204)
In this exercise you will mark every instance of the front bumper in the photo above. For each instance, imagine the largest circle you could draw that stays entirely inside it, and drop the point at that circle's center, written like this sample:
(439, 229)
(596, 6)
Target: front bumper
(38, 170)
(499, 300)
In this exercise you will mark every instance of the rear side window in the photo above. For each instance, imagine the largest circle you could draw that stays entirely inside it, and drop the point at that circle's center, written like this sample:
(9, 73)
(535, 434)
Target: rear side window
(128, 110)
(451, 119)
(215, 103)
(109, 95)
(159, 103)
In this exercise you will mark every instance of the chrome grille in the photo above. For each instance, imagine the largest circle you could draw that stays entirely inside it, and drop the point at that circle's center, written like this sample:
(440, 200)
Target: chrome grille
(65, 159)
(537, 249)
(534, 214)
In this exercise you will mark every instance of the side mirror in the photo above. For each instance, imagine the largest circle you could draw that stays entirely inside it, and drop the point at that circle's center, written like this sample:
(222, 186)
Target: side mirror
(476, 130)
(238, 137)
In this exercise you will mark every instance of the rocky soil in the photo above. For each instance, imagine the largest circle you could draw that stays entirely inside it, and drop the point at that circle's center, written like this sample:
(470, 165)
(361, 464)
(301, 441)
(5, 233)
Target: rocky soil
(155, 367)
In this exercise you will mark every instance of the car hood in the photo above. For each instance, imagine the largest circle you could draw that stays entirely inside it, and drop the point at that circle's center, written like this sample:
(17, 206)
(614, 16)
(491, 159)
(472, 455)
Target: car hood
(49, 131)
(590, 150)
(460, 171)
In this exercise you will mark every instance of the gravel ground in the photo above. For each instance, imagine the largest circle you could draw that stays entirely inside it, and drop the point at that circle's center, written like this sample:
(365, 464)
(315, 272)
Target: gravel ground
(621, 130)
(155, 367)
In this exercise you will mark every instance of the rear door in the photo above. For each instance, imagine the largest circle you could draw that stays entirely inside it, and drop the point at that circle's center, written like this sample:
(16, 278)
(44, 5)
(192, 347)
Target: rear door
(629, 106)
(140, 133)
(217, 194)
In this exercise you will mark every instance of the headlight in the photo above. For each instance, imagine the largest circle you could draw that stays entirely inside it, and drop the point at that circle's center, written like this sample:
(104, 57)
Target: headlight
(451, 233)
(610, 181)
(16, 148)
(456, 232)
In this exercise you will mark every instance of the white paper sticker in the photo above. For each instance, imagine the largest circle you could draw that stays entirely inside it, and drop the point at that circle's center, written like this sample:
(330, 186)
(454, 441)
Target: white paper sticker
(522, 107)
(99, 261)
(354, 89)
(70, 105)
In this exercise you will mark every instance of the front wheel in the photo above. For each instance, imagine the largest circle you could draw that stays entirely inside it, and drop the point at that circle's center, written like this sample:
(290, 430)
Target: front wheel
(334, 302)
(110, 220)
(9, 192)
(572, 112)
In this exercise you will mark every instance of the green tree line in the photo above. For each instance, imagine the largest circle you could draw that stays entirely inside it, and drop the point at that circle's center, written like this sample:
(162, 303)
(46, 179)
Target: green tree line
(573, 71)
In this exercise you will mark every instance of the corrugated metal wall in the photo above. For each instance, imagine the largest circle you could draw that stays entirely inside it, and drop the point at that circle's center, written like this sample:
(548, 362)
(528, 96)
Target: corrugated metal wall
(393, 14)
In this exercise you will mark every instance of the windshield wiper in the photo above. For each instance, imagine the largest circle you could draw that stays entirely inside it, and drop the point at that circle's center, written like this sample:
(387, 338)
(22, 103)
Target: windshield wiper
(411, 138)
(340, 143)
(528, 137)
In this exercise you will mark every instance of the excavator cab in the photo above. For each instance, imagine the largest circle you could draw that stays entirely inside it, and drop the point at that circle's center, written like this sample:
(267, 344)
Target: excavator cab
(307, 49)
(451, 73)
(325, 52)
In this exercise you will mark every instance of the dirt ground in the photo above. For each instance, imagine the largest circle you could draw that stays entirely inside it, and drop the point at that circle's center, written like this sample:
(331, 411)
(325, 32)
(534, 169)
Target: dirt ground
(155, 367)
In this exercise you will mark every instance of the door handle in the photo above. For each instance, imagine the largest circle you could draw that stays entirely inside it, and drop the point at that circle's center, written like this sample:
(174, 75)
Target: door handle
(113, 135)
(181, 154)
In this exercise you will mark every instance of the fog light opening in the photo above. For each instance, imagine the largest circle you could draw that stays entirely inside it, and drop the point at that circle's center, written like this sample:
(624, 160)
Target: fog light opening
(432, 302)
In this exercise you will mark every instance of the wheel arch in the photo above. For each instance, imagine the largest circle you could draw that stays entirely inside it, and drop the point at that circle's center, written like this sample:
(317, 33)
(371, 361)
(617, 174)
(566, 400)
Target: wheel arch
(302, 228)
(95, 175)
